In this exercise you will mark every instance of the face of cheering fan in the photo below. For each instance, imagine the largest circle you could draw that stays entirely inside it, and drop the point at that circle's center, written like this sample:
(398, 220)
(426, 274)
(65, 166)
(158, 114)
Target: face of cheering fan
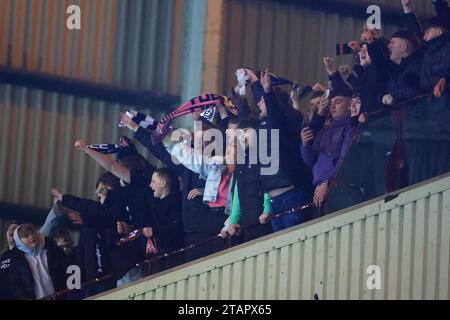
(158, 185)
(355, 107)
(30, 238)
(398, 49)
(364, 57)
(340, 107)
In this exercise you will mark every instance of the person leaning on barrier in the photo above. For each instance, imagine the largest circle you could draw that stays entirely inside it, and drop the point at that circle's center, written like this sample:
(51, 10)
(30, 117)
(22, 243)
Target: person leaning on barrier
(404, 78)
(435, 69)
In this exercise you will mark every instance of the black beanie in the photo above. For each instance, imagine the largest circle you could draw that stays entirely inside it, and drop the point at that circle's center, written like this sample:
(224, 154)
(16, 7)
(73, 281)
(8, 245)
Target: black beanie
(341, 90)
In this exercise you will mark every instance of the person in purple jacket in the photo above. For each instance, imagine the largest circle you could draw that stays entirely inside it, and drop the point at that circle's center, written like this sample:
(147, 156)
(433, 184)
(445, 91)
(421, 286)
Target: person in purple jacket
(325, 151)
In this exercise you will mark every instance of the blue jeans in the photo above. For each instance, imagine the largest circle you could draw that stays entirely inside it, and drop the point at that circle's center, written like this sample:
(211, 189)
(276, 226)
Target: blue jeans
(291, 199)
(132, 275)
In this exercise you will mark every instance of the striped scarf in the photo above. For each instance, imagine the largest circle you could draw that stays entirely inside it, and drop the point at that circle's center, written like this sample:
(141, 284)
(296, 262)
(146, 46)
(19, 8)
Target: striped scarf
(200, 103)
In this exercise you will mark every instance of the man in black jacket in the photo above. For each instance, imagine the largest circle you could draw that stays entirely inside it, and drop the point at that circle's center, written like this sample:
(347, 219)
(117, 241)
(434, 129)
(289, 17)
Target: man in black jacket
(406, 58)
(167, 224)
(98, 233)
(371, 75)
(135, 174)
(435, 71)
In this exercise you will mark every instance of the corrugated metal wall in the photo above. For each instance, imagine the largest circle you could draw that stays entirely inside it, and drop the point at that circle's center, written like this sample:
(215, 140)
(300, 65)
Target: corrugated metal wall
(37, 132)
(289, 39)
(136, 44)
(422, 7)
(408, 238)
(130, 43)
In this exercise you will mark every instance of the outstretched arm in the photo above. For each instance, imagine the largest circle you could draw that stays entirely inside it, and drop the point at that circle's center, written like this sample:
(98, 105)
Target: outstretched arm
(51, 220)
(106, 162)
(194, 161)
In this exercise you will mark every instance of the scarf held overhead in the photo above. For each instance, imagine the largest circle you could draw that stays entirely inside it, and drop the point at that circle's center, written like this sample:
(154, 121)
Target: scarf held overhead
(200, 103)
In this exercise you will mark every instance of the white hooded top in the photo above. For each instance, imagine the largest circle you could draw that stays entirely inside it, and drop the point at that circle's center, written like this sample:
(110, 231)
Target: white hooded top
(37, 261)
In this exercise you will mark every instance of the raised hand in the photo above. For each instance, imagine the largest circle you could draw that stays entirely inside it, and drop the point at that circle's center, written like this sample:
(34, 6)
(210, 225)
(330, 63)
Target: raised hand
(319, 87)
(251, 75)
(406, 6)
(329, 65)
(127, 122)
(242, 78)
(354, 45)
(56, 194)
(266, 82)
(323, 105)
(80, 144)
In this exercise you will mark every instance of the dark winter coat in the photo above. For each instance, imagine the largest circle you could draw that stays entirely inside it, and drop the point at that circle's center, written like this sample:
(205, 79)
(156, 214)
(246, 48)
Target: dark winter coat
(21, 282)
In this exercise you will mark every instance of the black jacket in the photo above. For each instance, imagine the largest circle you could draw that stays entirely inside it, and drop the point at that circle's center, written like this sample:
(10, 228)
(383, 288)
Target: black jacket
(404, 80)
(196, 215)
(371, 85)
(167, 223)
(436, 62)
(21, 282)
(98, 233)
(292, 170)
(5, 265)
(414, 25)
(138, 197)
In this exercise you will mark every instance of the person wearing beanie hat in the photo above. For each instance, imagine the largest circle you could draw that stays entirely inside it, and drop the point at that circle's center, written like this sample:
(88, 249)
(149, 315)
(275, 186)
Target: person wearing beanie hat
(340, 89)
(404, 79)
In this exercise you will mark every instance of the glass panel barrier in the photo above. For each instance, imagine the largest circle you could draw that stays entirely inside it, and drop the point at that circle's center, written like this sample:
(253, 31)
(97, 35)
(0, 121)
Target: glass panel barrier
(396, 147)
